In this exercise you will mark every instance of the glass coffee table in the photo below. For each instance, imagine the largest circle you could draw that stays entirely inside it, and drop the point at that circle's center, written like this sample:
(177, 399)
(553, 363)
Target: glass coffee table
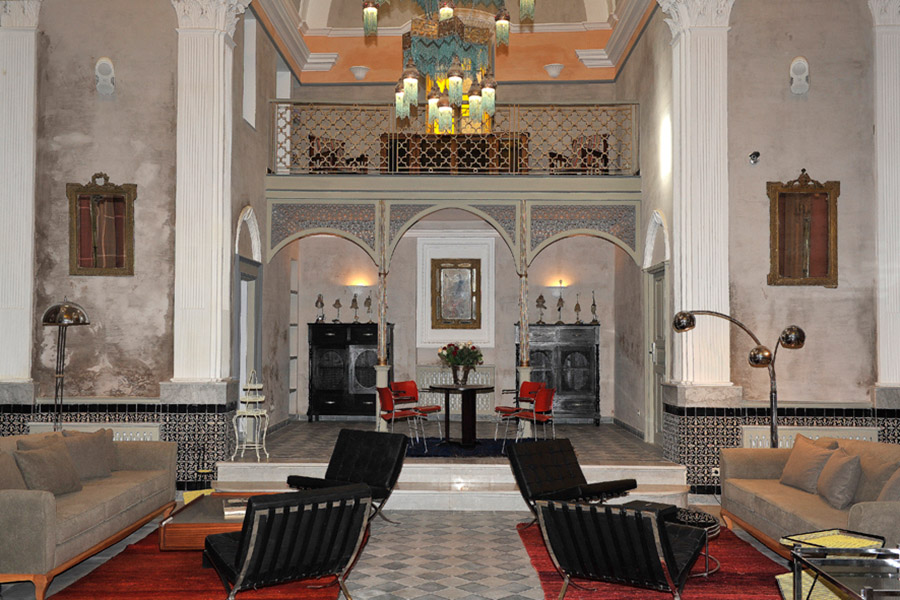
(854, 573)
(187, 527)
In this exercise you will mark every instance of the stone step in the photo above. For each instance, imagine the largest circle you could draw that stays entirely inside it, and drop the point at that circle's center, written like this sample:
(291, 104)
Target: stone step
(462, 486)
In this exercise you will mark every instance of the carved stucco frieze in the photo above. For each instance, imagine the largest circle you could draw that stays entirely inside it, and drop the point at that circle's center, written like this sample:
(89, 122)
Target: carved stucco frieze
(357, 220)
(505, 215)
(221, 15)
(548, 221)
(19, 13)
(885, 12)
(684, 14)
(401, 214)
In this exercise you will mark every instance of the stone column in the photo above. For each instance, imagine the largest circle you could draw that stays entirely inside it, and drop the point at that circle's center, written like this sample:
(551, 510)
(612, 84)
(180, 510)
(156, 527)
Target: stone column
(886, 14)
(700, 180)
(203, 255)
(18, 124)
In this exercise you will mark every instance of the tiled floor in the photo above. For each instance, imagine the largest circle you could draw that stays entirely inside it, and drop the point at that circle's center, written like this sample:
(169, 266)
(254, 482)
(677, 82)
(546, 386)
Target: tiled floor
(607, 444)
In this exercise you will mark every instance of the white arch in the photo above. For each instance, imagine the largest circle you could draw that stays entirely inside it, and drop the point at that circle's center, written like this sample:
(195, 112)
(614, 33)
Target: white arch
(248, 216)
(657, 223)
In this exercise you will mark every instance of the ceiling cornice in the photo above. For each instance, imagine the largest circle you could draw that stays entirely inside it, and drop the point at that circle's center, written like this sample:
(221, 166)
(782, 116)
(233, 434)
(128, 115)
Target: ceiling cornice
(282, 23)
(629, 20)
(401, 29)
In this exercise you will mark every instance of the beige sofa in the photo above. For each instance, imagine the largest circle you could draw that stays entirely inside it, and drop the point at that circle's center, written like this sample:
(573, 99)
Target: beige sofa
(120, 487)
(754, 499)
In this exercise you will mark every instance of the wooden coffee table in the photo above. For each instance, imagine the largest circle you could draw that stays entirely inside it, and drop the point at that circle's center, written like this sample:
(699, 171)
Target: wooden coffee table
(187, 527)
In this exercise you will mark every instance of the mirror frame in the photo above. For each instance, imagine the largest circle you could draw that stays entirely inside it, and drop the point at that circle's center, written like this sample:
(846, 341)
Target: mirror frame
(99, 185)
(804, 184)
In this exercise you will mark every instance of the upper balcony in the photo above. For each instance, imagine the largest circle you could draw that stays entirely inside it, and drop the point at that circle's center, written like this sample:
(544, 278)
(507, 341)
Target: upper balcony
(368, 139)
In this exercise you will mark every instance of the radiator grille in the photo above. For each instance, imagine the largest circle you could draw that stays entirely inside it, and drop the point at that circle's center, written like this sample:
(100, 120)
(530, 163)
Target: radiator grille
(122, 432)
(428, 375)
(759, 436)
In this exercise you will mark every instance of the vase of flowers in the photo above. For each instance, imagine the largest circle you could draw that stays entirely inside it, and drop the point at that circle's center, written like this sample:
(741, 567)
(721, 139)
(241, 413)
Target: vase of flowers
(461, 358)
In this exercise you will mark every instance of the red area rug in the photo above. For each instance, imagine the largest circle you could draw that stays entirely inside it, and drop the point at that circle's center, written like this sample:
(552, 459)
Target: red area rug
(142, 572)
(745, 574)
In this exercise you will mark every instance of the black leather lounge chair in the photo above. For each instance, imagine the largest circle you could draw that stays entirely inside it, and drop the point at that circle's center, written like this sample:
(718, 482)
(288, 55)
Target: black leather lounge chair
(619, 544)
(369, 457)
(549, 470)
(292, 536)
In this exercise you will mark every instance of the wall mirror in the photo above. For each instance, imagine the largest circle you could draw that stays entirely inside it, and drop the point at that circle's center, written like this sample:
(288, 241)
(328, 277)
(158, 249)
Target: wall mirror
(101, 227)
(455, 293)
(803, 235)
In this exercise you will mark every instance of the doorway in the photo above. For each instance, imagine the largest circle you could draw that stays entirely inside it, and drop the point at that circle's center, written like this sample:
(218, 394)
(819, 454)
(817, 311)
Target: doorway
(657, 318)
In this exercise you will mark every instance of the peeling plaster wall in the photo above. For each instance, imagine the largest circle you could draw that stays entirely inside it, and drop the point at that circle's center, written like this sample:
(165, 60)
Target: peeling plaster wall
(250, 154)
(128, 348)
(647, 79)
(828, 131)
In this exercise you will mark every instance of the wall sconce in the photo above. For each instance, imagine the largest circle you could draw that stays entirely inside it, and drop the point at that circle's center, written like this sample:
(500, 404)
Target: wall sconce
(105, 77)
(799, 76)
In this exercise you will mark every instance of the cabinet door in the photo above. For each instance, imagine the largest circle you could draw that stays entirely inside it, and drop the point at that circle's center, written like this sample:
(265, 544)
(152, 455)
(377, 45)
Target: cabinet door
(542, 366)
(577, 390)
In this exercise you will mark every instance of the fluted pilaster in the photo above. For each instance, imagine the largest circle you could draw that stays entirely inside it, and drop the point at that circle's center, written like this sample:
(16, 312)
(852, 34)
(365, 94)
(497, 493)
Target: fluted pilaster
(203, 255)
(700, 212)
(18, 48)
(886, 15)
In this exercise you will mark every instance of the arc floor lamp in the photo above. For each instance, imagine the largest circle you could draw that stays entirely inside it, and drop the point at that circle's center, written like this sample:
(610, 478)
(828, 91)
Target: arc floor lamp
(62, 315)
(760, 356)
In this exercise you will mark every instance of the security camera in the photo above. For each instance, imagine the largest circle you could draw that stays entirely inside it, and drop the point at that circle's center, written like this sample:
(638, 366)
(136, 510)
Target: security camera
(754, 157)
(799, 76)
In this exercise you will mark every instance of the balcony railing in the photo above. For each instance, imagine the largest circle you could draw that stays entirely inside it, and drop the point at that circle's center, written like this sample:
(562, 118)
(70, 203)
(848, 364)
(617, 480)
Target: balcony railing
(519, 140)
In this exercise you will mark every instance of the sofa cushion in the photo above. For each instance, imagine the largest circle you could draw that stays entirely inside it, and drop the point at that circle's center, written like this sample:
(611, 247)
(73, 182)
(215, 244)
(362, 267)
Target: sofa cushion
(891, 489)
(103, 499)
(804, 465)
(49, 468)
(11, 443)
(10, 476)
(778, 510)
(878, 461)
(91, 453)
(108, 448)
(839, 477)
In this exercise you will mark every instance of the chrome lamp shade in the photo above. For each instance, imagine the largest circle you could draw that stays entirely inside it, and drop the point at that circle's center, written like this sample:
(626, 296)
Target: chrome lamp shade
(62, 315)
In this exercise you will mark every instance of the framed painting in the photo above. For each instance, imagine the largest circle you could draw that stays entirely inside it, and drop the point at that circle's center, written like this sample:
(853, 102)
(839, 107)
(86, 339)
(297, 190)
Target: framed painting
(456, 293)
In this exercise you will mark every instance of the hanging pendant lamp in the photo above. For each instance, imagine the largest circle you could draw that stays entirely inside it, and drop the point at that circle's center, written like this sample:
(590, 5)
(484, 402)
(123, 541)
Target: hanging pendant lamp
(526, 9)
(502, 21)
(411, 82)
(401, 106)
(454, 82)
(475, 111)
(446, 10)
(370, 17)
(433, 98)
(489, 94)
(445, 114)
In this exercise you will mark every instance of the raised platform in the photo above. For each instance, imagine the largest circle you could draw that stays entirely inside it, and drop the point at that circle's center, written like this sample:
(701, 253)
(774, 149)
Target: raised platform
(605, 453)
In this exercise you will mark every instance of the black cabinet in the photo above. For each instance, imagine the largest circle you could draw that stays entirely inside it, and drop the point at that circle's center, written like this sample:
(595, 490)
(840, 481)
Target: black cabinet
(567, 357)
(342, 359)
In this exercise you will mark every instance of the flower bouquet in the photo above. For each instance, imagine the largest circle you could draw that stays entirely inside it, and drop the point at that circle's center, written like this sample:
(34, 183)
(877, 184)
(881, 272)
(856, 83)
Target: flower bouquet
(461, 358)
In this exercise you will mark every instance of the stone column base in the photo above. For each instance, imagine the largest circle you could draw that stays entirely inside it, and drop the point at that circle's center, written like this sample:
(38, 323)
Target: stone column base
(17, 392)
(885, 397)
(382, 373)
(198, 392)
(683, 394)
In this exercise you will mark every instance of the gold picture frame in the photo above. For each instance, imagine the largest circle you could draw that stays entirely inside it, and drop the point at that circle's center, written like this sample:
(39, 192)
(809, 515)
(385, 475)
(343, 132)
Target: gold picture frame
(803, 232)
(101, 227)
(456, 293)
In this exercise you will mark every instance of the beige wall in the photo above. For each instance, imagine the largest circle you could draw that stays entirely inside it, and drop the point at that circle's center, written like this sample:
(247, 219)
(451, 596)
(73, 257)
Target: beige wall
(647, 80)
(127, 349)
(250, 152)
(828, 131)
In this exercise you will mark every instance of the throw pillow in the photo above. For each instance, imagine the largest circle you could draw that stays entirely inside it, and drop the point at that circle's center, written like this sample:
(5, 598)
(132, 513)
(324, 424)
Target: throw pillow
(10, 476)
(89, 454)
(804, 465)
(822, 442)
(93, 453)
(49, 468)
(839, 477)
(38, 440)
(891, 490)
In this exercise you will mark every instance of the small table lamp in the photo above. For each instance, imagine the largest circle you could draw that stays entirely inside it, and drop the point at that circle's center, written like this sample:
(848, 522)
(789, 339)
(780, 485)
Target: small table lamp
(62, 315)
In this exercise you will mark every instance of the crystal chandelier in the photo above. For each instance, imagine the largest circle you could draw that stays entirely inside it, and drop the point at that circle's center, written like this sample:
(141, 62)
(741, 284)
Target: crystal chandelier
(450, 50)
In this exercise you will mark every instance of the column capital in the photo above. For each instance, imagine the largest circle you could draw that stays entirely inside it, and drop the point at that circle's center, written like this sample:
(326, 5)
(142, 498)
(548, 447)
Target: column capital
(220, 15)
(19, 13)
(885, 12)
(685, 14)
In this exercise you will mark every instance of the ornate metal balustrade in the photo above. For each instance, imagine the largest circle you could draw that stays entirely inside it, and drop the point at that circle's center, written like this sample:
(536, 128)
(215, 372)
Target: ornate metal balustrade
(518, 140)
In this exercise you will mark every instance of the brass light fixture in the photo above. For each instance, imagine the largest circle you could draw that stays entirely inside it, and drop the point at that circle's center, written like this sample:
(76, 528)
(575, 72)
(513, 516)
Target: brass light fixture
(760, 356)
